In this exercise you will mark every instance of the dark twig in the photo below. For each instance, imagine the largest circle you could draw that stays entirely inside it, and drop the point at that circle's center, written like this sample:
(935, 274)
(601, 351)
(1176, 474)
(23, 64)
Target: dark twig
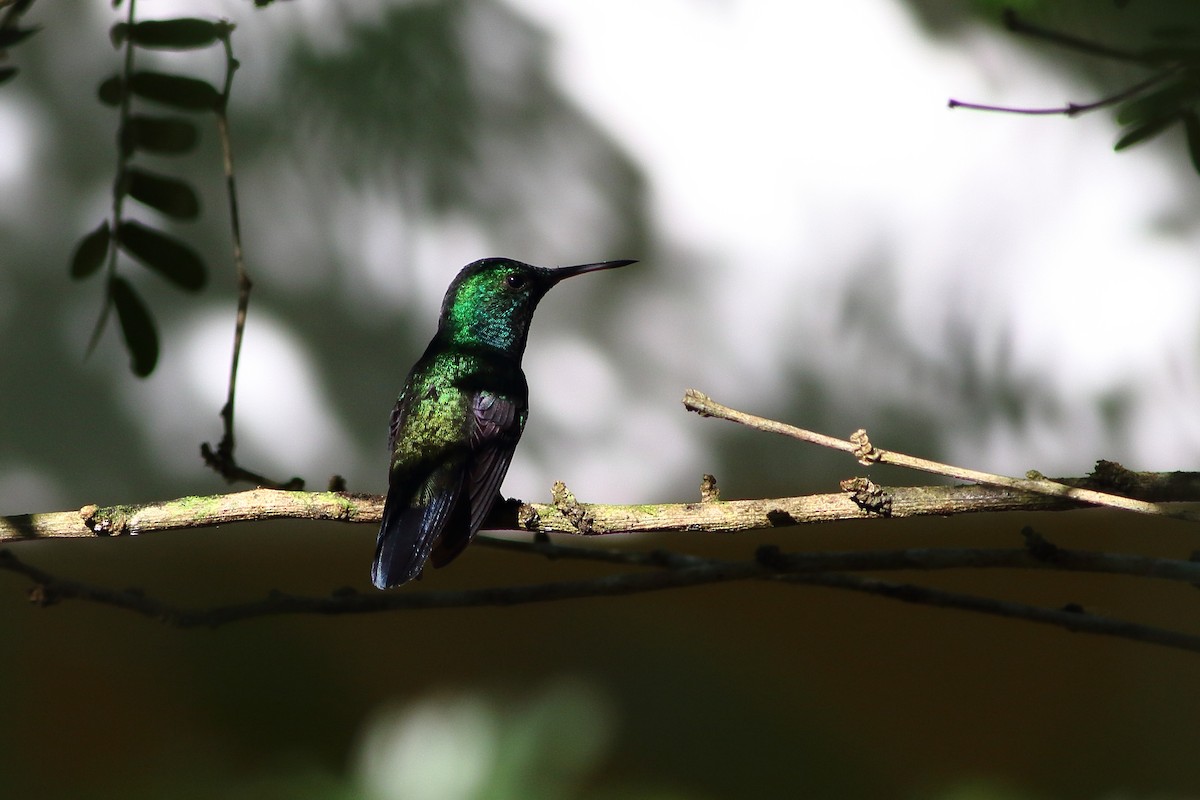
(1073, 109)
(1014, 23)
(915, 559)
(49, 590)
(676, 571)
(222, 457)
(1073, 620)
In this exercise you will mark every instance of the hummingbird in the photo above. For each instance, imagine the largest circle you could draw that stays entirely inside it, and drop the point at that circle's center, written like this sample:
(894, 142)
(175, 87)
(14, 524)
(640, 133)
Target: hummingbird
(460, 415)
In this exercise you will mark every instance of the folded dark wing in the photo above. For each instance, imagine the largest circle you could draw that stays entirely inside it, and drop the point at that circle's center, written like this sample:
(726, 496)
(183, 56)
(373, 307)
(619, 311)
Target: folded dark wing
(497, 423)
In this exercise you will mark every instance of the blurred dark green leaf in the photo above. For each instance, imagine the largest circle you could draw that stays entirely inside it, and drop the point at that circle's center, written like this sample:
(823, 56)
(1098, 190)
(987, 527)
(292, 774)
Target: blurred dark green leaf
(164, 254)
(137, 326)
(90, 253)
(1191, 127)
(7, 73)
(1188, 54)
(1173, 31)
(165, 135)
(403, 87)
(1162, 102)
(190, 94)
(171, 196)
(1148, 130)
(10, 36)
(430, 110)
(171, 34)
(110, 91)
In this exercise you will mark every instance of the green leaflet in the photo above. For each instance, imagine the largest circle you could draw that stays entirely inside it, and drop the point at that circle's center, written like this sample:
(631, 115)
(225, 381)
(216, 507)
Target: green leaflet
(90, 253)
(171, 196)
(1165, 101)
(1191, 127)
(109, 91)
(169, 34)
(10, 36)
(164, 254)
(1148, 130)
(163, 135)
(189, 94)
(137, 326)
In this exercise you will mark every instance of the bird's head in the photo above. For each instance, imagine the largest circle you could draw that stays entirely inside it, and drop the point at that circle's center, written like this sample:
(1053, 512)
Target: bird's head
(491, 301)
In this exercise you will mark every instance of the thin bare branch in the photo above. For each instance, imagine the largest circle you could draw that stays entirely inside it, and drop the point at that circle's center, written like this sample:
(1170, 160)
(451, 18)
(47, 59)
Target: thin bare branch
(677, 571)
(1037, 555)
(1073, 109)
(1070, 618)
(221, 458)
(861, 448)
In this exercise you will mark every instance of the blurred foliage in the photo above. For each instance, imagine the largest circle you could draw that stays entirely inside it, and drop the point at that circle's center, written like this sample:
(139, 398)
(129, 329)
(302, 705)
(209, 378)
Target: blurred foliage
(11, 33)
(452, 103)
(472, 747)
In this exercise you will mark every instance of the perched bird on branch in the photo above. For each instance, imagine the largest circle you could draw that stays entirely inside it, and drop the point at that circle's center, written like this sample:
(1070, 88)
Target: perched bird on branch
(459, 417)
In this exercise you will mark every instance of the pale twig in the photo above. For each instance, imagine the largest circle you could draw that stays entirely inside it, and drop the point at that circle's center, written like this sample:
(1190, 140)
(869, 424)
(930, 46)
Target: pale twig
(862, 449)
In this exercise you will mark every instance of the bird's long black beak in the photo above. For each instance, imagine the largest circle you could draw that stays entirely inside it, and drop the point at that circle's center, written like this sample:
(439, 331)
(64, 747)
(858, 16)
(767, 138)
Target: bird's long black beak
(562, 273)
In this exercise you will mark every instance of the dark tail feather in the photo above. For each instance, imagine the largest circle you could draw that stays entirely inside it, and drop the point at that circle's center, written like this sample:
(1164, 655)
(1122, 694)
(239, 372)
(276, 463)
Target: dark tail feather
(461, 530)
(406, 536)
(455, 538)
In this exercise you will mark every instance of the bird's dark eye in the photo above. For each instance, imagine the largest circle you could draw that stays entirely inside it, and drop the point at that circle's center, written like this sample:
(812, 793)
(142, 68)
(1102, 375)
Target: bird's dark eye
(514, 281)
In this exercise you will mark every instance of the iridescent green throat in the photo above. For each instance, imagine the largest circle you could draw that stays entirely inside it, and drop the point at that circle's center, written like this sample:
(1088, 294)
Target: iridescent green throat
(483, 311)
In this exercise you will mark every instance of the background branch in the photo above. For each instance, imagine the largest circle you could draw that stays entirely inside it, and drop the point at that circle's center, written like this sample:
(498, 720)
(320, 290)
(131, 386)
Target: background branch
(1166, 99)
(221, 458)
(860, 446)
(1073, 109)
(677, 571)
